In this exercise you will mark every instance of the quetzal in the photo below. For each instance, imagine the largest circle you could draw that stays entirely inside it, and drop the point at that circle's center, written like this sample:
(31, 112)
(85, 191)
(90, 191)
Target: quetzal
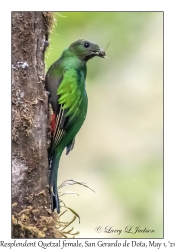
(65, 82)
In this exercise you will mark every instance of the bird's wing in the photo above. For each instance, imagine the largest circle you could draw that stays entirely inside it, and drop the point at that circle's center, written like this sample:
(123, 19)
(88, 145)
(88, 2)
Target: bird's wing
(69, 100)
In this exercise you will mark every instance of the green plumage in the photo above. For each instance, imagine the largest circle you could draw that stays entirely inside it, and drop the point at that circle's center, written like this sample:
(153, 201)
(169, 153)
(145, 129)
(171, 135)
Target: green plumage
(65, 82)
(70, 92)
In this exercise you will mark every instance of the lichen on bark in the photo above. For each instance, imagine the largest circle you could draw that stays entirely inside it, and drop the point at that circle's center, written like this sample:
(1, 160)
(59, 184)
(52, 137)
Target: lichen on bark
(30, 197)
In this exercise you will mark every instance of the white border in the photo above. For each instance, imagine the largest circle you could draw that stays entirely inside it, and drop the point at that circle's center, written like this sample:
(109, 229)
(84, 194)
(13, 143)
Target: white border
(169, 89)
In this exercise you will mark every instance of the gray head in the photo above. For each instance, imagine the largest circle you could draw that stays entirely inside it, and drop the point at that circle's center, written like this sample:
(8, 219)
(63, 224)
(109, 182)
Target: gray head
(86, 50)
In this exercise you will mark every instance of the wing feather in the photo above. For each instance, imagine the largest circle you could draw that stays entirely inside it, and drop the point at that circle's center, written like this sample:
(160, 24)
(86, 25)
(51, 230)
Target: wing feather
(69, 98)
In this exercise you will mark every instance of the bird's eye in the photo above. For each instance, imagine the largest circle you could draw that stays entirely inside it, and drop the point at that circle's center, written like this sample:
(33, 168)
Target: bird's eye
(86, 45)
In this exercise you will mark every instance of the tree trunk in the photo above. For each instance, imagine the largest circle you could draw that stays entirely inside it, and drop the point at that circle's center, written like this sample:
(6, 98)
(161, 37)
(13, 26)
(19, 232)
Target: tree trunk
(31, 214)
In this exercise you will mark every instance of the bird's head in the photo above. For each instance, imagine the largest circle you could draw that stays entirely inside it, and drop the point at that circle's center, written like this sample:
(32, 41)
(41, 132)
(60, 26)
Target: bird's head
(86, 50)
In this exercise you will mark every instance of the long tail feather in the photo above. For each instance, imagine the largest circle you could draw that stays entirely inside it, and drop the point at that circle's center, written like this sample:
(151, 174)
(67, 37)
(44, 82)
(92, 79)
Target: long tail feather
(54, 162)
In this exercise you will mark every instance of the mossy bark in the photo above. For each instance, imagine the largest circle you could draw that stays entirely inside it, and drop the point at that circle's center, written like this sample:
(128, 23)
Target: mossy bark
(31, 214)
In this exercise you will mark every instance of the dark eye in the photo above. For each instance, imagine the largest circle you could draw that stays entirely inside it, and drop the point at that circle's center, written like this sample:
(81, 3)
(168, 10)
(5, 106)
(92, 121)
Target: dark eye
(86, 45)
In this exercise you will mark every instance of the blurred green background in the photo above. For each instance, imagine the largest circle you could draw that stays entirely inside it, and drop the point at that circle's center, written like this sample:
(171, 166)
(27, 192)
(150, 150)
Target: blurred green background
(119, 150)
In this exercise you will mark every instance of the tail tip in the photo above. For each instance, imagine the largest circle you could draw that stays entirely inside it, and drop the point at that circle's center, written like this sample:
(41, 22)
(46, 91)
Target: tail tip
(55, 204)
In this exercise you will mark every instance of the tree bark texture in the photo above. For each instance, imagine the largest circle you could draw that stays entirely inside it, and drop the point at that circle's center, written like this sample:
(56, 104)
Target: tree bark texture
(30, 196)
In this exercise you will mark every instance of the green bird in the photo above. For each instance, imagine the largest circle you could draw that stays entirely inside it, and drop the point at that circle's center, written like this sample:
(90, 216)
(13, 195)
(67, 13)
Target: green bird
(65, 83)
